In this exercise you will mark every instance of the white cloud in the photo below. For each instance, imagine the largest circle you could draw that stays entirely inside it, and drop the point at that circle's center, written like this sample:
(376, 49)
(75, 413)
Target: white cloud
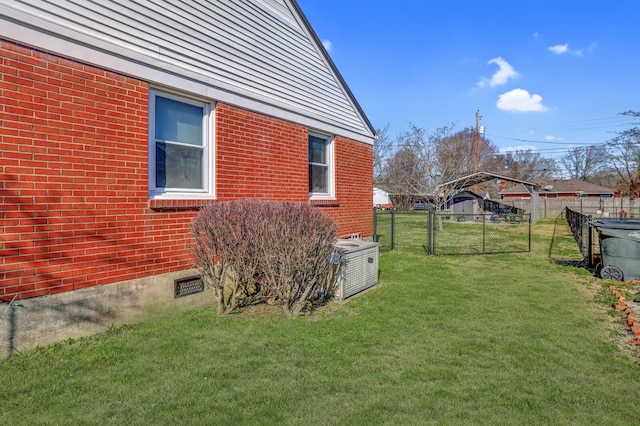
(502, 76)
(589, 49)
(520, 100)
(559, 49)
(327, 45)
(551, 138)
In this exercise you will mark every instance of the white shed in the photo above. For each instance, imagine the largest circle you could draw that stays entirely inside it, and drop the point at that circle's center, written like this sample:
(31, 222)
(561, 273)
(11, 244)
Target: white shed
(381, 198)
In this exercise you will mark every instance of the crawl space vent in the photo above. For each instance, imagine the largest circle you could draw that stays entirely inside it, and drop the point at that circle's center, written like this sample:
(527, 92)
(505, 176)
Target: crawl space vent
(187, 286)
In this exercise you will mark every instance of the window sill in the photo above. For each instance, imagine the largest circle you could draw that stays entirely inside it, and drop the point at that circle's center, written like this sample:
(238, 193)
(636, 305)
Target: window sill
(179, 203)
(324, 202)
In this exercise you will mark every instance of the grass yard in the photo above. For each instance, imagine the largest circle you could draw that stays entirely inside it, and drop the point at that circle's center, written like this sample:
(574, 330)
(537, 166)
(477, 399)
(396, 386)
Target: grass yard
(499, 339)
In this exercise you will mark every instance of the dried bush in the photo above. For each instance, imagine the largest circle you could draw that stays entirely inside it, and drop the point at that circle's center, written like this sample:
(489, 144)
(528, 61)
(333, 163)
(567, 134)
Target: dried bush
(277, 251)
(219, 244)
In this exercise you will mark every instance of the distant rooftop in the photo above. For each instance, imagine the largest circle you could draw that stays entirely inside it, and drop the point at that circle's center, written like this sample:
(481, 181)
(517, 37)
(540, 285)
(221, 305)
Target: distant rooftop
(561, 186)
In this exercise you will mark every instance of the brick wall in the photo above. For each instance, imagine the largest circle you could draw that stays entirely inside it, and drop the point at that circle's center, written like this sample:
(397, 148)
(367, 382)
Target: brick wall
(354, 187)
(73, 169)
(73, 162)
(259, 157)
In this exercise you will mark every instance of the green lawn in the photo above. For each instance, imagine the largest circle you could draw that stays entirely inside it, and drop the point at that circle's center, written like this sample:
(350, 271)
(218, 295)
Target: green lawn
(500, 339)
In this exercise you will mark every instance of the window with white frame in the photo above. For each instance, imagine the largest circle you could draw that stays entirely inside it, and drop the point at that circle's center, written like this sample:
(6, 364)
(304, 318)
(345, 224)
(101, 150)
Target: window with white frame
(320, 166)
(180, 146)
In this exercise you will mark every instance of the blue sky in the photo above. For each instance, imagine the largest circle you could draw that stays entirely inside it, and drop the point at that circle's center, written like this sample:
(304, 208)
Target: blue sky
(546, 75)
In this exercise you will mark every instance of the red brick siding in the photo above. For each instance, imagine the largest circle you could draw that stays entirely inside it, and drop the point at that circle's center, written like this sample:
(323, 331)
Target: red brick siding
(73, 171)
(354, 187)
(263, 157)
(259, 157)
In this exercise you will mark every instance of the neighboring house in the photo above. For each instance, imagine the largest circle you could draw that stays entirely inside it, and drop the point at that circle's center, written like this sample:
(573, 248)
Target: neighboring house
(560, 189)
(381, 199)
(121, 119)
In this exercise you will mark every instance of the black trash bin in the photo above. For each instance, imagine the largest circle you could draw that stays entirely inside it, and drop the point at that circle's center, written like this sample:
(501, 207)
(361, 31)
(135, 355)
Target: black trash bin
(620, 249)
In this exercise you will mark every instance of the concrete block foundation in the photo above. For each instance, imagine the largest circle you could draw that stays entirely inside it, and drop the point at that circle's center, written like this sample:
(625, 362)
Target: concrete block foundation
(40, 321)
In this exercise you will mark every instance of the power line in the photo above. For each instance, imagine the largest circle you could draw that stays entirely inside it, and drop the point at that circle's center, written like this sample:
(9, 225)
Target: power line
(563, 146)
(538, 141)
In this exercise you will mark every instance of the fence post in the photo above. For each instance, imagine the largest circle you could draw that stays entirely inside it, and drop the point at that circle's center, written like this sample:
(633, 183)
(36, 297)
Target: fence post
(484, 234)
(429, 231)
(529, 232)
(590, 253)
(375, 225)
(393, 228)
(434, 233)
(590, 249)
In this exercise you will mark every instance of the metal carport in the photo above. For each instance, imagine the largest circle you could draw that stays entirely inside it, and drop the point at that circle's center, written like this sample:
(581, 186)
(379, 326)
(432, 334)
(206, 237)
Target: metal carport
(451, 188)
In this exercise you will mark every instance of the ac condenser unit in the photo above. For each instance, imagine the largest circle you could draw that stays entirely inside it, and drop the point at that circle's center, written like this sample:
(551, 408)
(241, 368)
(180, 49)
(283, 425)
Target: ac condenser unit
(359, 267)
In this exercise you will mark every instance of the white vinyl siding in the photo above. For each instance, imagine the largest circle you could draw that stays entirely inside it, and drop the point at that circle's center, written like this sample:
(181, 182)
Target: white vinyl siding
(259, 49)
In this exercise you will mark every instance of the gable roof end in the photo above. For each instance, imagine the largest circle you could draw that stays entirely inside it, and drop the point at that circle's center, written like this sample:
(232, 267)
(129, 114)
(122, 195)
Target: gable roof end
(260, 55)
(325, 54)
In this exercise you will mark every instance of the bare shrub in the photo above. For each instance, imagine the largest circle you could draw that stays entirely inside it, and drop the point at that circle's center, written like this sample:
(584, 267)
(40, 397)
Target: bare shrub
(294, 260)
(220, 243)
(278, 251)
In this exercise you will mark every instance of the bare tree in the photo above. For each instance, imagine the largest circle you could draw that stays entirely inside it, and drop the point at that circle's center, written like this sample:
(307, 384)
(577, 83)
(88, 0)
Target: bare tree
(527, 164)
(624, 157)
(584, 163)
(424, 160)
(456, 153)
(608, 177)
(629, 113)
(382, 150)
(404, 177)
(412, 171)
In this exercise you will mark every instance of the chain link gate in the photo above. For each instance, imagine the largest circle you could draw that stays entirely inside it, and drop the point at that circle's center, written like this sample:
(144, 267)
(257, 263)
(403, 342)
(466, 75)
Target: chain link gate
(442, 233)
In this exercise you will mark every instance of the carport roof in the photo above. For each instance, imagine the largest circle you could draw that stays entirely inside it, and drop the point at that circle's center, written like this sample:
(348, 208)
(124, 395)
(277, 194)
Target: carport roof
(480, 177)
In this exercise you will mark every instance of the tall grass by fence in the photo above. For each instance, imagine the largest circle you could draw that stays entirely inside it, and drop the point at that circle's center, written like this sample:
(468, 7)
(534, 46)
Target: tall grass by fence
(451, 234)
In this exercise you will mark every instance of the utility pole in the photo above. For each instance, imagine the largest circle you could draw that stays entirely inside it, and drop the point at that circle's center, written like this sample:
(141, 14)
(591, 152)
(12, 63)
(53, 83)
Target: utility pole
(478, 130)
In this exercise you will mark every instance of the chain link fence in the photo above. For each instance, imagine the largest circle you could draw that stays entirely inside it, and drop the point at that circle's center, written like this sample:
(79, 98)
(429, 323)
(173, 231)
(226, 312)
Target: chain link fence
(582, 232)
(586, 236)
(441, 233)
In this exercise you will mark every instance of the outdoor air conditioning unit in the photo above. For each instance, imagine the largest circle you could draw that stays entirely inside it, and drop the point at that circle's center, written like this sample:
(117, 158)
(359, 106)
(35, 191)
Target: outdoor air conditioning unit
(359, 270)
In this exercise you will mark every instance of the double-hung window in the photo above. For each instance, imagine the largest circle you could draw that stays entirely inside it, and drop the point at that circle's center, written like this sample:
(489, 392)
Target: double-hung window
(321, 171)
(180, 146)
